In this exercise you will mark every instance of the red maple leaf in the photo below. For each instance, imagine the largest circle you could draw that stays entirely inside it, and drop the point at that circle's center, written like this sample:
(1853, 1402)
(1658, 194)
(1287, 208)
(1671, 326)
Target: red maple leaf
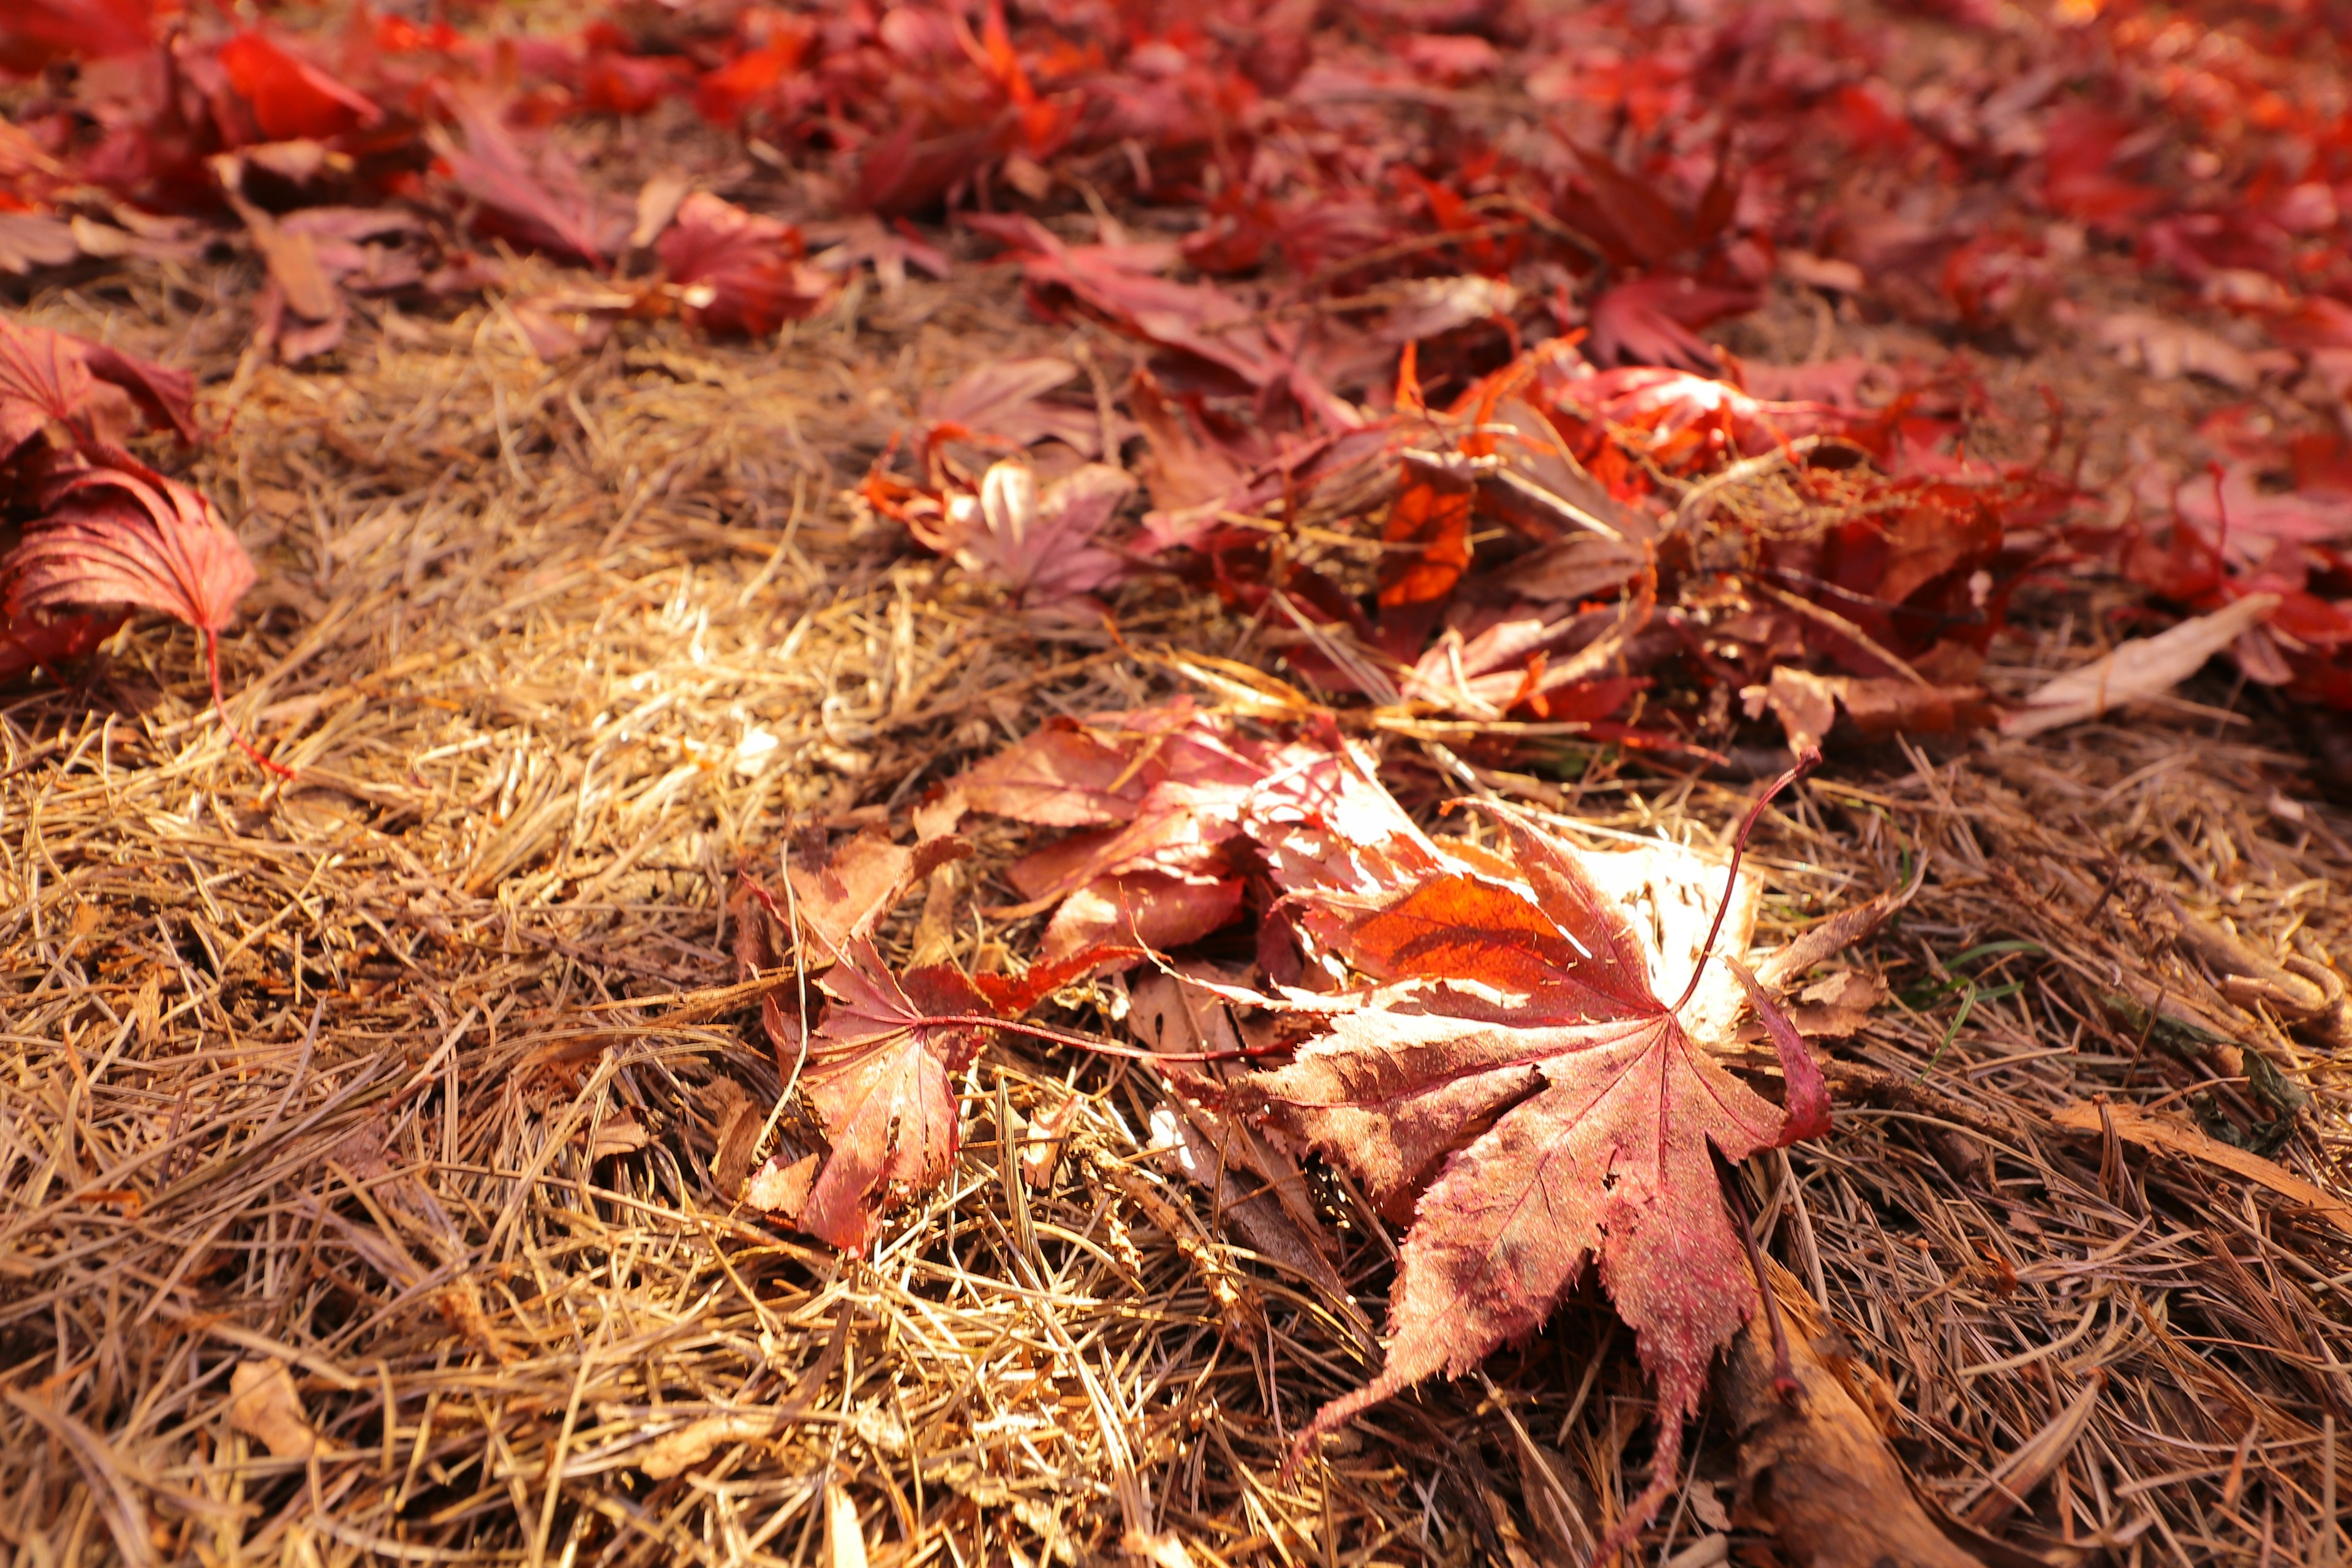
(92, 390)
(1036, 542)
(878, 1073)
(532, 195)
(1517, 1070)
(126, 535)
(1649, 321)
(741, 272)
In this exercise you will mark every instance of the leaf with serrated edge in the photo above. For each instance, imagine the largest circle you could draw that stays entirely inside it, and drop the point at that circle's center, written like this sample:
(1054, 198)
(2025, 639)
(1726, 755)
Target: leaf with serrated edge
(1518, 1060)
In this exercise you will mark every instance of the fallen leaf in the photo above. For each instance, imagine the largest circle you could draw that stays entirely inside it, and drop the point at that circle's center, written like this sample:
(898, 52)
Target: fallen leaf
(112, 536)
(877, 1072)
(1004, 399)
(1837, 1005)
(1519, 1073)
(263, 1404)
(621, 1133)
(95, 392)
(2167, 349)
(1148, 909)
(2151, 1130)
(782, 1189)
(737, 272)
(534, 197)
(1257, 1188)
(1806, 704)
(2138, 669)
(1036, 542)
(1814, 1469)
(1648, 321)
(291, 97)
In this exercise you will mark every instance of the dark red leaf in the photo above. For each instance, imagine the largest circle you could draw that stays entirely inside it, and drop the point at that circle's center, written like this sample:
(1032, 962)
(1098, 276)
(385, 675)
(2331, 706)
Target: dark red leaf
(48, 641)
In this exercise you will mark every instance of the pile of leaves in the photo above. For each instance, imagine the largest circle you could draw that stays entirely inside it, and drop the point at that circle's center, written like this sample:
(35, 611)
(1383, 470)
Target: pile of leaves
(1473, 1030)
(1428, 278)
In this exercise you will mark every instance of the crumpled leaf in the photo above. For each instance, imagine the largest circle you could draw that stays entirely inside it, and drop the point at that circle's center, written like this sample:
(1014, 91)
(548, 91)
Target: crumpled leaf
(264, 1403)
(1517, 1069)
(1807, 704)
(740, 273)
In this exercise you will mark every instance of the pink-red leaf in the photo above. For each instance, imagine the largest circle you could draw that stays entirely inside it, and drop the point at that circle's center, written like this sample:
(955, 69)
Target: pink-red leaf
(534, 195)
(1036, 542)
(57, 378)
(113, 536)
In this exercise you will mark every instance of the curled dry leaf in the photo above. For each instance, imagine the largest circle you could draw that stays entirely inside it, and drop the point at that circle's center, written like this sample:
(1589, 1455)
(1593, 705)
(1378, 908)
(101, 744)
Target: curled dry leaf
(1815, 1469)
(120, 536)
(264, 1403)
(1807, 704)
(2137, 671)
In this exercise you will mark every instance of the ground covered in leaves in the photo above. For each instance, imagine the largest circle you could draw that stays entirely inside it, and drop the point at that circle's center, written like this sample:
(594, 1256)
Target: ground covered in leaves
(1572, 408)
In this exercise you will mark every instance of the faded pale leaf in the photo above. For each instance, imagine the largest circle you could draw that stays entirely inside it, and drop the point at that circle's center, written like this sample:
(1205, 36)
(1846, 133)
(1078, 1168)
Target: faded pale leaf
(2137, 671)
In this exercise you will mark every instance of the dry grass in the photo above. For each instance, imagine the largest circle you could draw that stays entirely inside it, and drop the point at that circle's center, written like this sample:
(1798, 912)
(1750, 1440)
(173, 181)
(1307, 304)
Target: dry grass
(410, 1075)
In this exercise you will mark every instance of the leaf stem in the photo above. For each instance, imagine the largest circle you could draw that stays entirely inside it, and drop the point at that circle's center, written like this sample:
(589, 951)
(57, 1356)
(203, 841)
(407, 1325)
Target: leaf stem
(212, 669)
(1807, 760)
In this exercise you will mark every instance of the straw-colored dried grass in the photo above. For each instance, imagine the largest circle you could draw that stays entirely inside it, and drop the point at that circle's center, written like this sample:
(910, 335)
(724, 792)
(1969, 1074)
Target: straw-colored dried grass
(345, 1076)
